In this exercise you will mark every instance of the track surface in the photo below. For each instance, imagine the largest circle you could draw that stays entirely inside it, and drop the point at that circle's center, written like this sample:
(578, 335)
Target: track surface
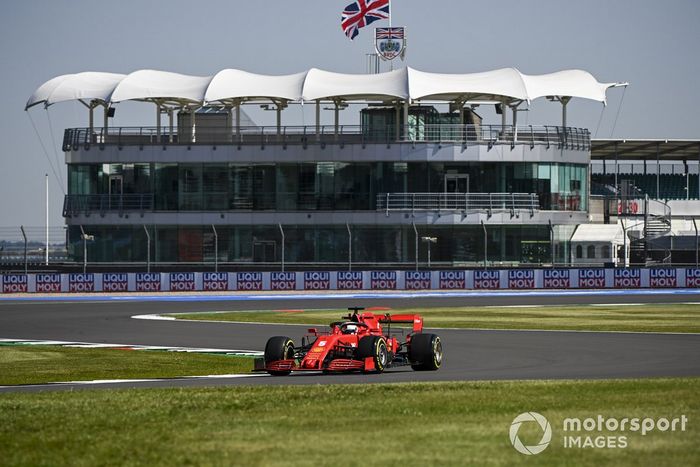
(469, 354)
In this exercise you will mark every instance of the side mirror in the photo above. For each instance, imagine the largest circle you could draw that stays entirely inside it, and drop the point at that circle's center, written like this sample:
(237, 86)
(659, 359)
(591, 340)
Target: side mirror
(313, 331)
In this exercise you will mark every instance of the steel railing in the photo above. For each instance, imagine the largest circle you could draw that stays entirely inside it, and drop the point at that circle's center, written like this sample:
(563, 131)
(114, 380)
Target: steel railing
(458, 202)
(466, 135)
(77, 204)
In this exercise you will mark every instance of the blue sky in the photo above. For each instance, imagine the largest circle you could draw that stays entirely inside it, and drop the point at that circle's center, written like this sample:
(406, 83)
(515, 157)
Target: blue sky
(651, 44)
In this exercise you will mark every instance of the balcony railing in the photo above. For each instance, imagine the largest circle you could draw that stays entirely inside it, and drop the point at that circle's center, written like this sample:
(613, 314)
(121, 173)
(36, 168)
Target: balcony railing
(459, 202)
(465, 135)
(87, 204)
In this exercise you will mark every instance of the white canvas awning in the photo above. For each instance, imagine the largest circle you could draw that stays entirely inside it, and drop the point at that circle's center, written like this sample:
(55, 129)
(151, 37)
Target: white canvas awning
(599, 233)
(321, 84)
(237, 84)
(507, 84)
(85, 86)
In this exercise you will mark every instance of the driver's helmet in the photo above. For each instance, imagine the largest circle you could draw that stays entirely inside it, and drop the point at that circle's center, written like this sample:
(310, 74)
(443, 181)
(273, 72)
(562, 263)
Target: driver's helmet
(350, 329)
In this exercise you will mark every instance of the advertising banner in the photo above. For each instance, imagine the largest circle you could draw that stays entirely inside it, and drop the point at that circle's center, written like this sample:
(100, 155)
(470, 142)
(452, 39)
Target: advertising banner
(115, 282)
(48, 283)
(317, 280)
(283, 281)
(663, 277)
(521, 279)
(417, 280)
(15, 283)
(215, 281)
(487, 279)
(450, 280)
(628, 278)
(556, 278)
(692, 277)
(182, 282)
(147, 282)
(383, 280)
(350, 280)
(81, 282)
(591, 278)
(249, 281)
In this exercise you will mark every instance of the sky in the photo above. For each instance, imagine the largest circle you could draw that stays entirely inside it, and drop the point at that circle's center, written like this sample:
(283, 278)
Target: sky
(653, 45)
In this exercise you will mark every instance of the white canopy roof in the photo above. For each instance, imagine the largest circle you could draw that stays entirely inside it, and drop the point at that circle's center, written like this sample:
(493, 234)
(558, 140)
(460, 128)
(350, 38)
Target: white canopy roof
(162, 86)
(238, 84)
(599, 233)
(152, 84)
(87, 86)
(321, 84)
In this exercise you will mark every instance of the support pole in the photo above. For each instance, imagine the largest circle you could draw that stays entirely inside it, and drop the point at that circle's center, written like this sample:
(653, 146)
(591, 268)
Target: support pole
(106, 122)
(238, 120)
(564, 101)
(278, 110)
(171, 124)
(405, 119)
(551, 241)
(515, 123)
(696, 241)
(148, 249)
(347, 226)
(46, 176)
(503, 118)
(158, 123)
(84, 237)
(624, 243)
(486, 246)
(336, 117)
(216, 249)
(24, 235)
(318, 119)
(92, 120)
(282, 232)
(415, 231)
(194, 125)
(658, 170)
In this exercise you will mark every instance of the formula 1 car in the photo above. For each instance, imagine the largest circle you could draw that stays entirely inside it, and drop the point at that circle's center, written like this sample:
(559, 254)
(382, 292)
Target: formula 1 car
(358, 343)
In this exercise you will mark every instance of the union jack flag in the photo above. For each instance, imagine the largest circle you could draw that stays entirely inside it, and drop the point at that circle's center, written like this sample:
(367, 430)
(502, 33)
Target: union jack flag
(389, 33)
(361, 13)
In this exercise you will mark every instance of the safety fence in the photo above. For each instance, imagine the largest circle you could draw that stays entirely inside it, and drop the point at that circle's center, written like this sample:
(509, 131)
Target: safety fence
(491, 279)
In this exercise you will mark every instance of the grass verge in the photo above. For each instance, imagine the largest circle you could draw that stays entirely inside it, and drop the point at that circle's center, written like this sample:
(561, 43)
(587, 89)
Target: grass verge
(640, 318)
(44, 364)
(461, 423)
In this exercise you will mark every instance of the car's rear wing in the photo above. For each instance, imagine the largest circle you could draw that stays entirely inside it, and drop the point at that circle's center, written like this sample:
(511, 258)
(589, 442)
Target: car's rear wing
(415, 320)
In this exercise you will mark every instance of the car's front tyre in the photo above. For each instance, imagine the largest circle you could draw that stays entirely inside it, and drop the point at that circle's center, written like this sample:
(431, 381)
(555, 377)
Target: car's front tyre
(425, 352)
(375, 347)
(278, 348)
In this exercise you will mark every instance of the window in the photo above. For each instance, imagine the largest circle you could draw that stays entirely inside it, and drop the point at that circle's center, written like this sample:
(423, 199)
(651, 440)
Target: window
(606, 252)
(591, 251)
(579, 251)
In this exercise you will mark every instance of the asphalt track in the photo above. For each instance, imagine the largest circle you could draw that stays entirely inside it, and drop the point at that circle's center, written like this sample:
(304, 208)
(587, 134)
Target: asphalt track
(469, 354)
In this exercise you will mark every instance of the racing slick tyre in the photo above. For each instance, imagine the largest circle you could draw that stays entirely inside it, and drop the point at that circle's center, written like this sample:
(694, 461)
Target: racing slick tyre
(375, 347)
(425, 352)
(279, 348)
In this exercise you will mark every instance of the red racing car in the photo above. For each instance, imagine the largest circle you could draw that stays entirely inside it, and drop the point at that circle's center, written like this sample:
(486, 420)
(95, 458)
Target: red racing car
(358, 343)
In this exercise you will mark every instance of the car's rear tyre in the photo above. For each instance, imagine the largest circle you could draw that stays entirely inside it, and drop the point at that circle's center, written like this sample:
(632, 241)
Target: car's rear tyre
(375, 347)
(425, 352)
(279, 348)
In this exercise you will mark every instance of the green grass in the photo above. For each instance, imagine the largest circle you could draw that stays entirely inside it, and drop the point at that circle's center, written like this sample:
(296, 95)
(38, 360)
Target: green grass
(385, 424)
(43, 364)
(642, 318)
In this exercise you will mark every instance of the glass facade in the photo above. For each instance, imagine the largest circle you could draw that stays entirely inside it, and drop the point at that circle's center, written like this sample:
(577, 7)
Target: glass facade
(317, 244)
(325, 186)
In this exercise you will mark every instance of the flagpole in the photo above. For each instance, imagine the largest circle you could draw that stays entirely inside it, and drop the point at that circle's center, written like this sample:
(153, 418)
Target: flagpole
(389, 13)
